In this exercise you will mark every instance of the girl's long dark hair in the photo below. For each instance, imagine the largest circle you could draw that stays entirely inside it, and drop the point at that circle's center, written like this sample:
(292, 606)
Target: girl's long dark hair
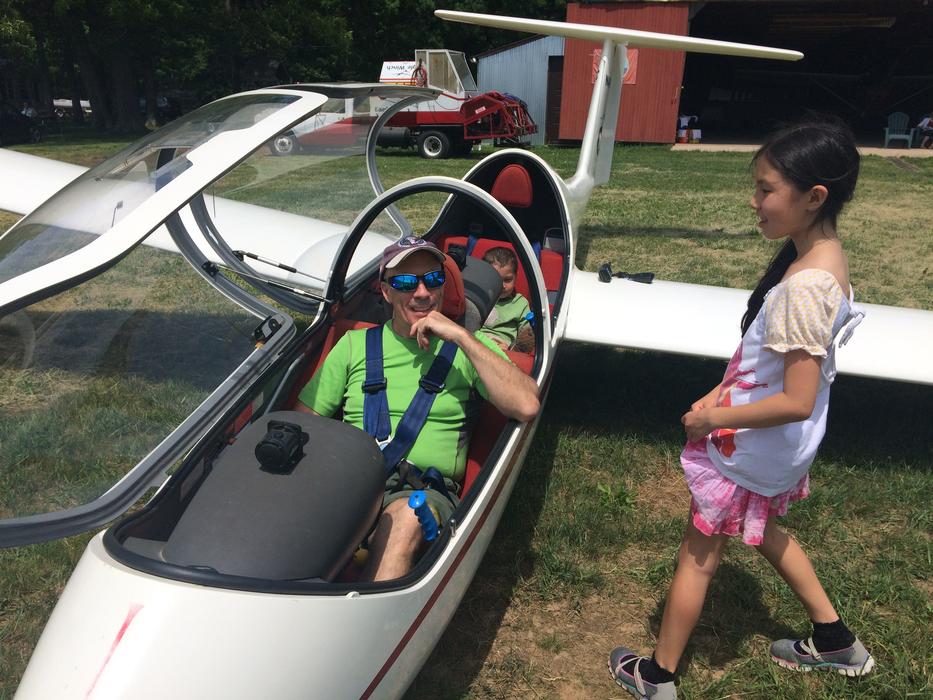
(818, 151)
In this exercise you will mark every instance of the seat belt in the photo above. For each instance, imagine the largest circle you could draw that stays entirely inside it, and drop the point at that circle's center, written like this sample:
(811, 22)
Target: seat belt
(411, 423)
(375, 405)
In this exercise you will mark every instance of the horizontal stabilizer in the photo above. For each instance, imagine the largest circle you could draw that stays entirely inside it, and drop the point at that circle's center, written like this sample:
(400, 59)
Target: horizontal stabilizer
(694, 319)
(631, 37)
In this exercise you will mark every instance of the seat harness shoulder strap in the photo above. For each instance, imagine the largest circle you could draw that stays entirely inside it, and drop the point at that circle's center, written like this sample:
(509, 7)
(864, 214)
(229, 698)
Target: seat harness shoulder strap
(375, 402)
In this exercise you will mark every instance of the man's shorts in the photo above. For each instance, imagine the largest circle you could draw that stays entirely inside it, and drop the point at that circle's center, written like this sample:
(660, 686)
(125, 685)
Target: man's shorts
(437, 500)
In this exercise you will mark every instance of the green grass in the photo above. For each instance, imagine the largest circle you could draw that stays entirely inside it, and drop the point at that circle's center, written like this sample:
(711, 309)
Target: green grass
(585, 551)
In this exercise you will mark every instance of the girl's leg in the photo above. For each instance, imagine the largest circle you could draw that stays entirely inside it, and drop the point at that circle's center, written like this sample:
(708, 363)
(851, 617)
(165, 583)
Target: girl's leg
(791, 562)
(832, 645)
(697, 561)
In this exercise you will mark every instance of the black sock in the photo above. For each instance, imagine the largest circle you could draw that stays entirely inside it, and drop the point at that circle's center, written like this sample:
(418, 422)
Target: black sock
(831, 636)
(653, 673)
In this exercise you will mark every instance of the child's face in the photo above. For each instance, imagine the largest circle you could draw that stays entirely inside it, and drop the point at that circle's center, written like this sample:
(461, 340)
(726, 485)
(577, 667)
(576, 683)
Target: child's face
(507, 273)
(782, 209)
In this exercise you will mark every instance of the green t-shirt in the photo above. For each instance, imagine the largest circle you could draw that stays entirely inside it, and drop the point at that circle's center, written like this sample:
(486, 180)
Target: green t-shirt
(506, 317)
(444, 439)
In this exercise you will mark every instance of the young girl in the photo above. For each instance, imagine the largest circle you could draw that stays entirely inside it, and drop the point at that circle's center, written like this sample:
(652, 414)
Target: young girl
(751, 439)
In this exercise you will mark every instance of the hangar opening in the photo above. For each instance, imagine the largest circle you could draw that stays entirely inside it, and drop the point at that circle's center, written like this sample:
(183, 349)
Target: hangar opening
(864, 59)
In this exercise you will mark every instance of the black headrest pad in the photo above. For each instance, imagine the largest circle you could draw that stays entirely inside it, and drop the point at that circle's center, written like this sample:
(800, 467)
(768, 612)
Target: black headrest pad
(482, 285)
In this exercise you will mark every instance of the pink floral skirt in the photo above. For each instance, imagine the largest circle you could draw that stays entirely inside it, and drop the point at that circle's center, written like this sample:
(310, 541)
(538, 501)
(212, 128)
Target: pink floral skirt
(720, 506)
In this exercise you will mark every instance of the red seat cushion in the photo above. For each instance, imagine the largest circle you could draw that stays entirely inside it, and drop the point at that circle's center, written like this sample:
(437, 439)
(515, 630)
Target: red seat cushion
(488, 427)
(454, 296)
(334, 333)
(513, 187)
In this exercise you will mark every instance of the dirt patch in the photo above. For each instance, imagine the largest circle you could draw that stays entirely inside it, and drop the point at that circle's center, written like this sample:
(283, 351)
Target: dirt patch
(560, 650)
(663, 491)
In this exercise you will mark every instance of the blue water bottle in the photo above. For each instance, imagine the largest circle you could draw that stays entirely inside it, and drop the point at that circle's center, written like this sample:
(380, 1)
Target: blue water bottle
(418, 503)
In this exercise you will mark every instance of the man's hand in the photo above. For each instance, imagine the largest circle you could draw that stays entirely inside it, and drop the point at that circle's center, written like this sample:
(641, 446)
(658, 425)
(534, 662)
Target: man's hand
(437, 324)
(510, 390)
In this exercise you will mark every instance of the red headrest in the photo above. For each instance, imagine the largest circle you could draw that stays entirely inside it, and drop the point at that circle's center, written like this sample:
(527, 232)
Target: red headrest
(513, 186)
(454, 296)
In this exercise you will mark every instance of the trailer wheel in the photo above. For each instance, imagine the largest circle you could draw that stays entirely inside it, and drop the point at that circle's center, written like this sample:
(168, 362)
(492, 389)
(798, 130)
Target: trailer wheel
(433, 145)
(284, 145)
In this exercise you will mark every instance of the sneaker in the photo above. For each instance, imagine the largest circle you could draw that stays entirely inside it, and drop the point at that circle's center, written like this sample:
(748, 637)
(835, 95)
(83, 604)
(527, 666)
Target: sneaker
(623, 667)
(801, 655)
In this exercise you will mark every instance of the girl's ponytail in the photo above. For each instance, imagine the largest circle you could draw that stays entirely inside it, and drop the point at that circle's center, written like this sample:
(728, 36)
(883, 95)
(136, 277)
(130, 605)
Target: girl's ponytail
(775, 272)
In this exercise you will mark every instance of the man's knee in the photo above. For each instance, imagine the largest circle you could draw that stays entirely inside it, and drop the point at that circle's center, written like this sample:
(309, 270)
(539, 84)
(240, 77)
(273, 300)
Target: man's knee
(401, 522)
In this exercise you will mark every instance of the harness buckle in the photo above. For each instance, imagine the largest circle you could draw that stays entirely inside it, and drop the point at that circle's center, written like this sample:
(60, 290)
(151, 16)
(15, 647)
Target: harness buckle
(431, 387)
(374, 387)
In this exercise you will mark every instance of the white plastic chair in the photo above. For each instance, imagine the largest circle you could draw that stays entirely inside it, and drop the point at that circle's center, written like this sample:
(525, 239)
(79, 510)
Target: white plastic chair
(897, 129)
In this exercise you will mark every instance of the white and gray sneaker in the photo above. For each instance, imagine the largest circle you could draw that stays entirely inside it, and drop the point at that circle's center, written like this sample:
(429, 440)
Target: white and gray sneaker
(801, 655)
(624, 669)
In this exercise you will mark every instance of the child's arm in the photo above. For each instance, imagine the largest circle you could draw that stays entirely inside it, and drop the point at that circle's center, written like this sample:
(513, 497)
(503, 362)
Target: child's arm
(709, 400)
(794, 403)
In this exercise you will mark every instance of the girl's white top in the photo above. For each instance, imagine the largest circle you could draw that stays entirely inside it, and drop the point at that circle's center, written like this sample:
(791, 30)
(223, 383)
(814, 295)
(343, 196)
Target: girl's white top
(806, 311)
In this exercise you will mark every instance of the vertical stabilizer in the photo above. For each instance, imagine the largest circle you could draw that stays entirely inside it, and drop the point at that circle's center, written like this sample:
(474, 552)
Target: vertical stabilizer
(596, 149)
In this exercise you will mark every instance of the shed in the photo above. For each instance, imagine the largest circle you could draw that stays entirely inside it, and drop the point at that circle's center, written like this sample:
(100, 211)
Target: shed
(555, 78)
(526, 69)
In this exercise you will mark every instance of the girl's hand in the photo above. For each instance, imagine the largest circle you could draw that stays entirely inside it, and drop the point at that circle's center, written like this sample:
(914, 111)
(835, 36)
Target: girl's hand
(708, 401)
(698, 422)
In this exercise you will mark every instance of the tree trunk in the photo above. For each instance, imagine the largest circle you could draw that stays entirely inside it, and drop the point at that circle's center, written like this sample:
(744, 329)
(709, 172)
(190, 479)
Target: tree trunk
(125, 99)
(100, 110)
(44, 78)
(72, 83)
(152, 107)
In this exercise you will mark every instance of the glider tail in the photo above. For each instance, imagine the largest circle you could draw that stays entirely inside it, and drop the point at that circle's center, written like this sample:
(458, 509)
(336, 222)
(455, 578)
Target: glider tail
(599, 136)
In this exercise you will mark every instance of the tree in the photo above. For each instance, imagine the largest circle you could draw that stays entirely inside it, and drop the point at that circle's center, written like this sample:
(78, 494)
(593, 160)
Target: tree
(17, 52)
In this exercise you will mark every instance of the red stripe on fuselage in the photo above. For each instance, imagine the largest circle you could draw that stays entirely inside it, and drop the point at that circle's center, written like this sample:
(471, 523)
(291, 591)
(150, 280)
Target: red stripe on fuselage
(130, 614)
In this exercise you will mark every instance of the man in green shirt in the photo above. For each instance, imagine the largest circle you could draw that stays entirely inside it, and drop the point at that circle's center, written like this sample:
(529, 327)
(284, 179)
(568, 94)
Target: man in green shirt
(412, 275)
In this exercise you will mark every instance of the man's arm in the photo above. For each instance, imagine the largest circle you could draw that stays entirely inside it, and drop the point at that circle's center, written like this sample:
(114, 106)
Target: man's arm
(510, 390)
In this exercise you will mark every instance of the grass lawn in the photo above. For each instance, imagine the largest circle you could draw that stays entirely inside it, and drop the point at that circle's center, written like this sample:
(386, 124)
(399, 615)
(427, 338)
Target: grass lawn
(585, 551)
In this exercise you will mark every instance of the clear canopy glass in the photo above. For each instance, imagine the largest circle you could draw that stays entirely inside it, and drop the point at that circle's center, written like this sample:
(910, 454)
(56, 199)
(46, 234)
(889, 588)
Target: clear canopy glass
(101, 197)
(91, 380)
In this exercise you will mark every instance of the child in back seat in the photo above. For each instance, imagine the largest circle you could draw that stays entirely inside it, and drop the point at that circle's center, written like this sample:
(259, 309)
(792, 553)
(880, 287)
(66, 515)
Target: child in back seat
(507, 323)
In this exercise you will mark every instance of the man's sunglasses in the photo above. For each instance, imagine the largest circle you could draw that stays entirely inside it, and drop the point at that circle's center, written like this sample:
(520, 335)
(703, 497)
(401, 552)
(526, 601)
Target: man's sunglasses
(409, 283)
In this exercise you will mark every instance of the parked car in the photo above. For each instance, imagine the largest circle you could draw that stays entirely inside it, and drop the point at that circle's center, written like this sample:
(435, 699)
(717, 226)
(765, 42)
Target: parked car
(16, 127)
(63, 107)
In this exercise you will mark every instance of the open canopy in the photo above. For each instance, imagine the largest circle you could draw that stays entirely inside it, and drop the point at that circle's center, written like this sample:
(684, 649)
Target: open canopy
(116, 357)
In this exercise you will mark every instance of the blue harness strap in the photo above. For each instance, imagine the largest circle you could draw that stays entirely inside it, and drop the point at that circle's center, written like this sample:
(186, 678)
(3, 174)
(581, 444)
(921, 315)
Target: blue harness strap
(536, 247)
(408, 428)
(375, 405)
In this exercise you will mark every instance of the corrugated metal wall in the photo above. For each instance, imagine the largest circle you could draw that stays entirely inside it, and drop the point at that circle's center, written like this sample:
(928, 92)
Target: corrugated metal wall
(650, 106)
(522, 71)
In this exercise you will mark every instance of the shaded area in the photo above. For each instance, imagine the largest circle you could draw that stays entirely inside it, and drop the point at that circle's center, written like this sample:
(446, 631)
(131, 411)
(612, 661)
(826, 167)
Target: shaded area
(197, 349)
(100, 389)
(637, 397)
(734, 613)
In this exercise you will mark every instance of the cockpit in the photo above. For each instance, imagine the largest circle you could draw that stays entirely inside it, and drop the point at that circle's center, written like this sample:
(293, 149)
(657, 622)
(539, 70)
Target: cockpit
(290, 240)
